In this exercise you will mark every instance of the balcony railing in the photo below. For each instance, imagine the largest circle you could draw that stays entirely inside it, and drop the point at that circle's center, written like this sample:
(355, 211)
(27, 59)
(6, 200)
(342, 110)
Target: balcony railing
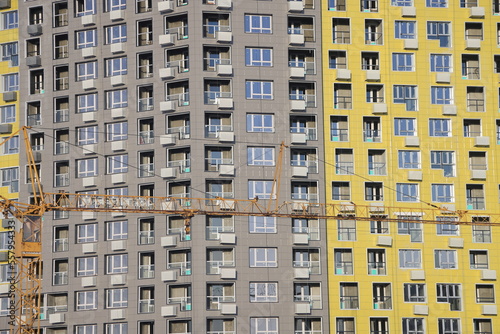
(146, 170)
(376, 268)
(47, 310)
(210, 31)
(475, 203)
(311, 133)
(376, 168)
(214, 302)
(341, 37)
(146, 237)
(314, 266)
(310, 99)
(61, 245)
(34, 119)
(475, 105)
(221, 194)
(145, 37)
(343, 268)
(211, 63)
(344, 168)
(147, 271)
(214, 267)
(62, 83)
(60, 278)
(61, 51)
(146, 137)
(61, 20)
(213, 163)
(212, 131)
(184, 165)
(185, 267)
(470, 72)
(182, 65)
(342, 102)
(181, 32)
(146, 305)
(181, 98)
(309, 197)
(312, 166)
(62, 180)
(309, 66)
(349, 302)
(373, 38)
(213, 97)
(372, 136)
(314, 300)
(479, 265)
(145, 104)
(309, 33)
(61, 115)
(183, 131)
(382, 302)
(62, 147)
(213, 232)
(180, 231)
(184, 301)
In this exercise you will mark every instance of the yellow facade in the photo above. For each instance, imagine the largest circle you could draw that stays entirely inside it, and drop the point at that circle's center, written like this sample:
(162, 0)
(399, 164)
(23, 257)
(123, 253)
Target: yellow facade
(462, 242)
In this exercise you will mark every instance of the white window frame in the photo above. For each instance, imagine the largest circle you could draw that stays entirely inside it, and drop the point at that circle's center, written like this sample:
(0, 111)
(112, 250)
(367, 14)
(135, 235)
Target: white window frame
(261, 156)
(11, 146)
(10, 82)
(116, 264)
(405, 29)
(403, 62)
(443, 193)
(407, 95)
(117, 131)
(86, 329)
(412, 292)
(88, 8)
(8, 114)
(87, 135)
(87, 102)
(86, 70)
(436, 30)
(407, 192)
(260, 188)
(261, 257)
(117, 298)
(117, 328)
(9, 177)
(117, 98)
(86, 266)
(116, 66)
(87, 167)
(86, 38)
(263, 292)
(445, 259)
(436, 3)
(264, 325)
(116, 164)
(260, 122)
(441, 159)
(86, 300)
(86, 233)
(409, 159)
(441, 95)
(258, 24)
(261, 224)
(449, 326)
(259, 90)
(10, 52)
(116, 34)
(10, 20)
(117, 230)
(413, 325)
(410, 259)
(259, 57)
(441, 62)
(440, 127)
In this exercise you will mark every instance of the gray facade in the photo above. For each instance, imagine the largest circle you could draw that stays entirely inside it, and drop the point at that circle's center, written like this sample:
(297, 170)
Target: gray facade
(167, 99)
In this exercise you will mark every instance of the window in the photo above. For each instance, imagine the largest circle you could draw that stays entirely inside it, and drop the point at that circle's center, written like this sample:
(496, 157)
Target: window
(116, 34)
(117, 328)
(86, 71)
(8, 114)
(11, 146)
(85, 7)
(436, 3)
(87, 135)
(117, 131)
(449, 326)
(86, 329)
(86, 300)
(9, 177)
(337, 59)
(414, 293)
(343, 261)
(448, 227)
(263, 257)
(258, 57)
(87, 167)
(264, 326)
(441, 63)
(112, 5)
(258, 24)
(86, 38)
(478, 259)
(260, 156)
(410, 259)
(263, 292)
(116, 298)
(485, 293)
(10, 20)
(116, 66)
(441, 95)
(409, 159)
(444, 160)
(259, 90)
(405, 29)
(117, 264)
(86, 103)
(86, 233)
(86, 266)
(116, 99)
(122, 191)
(117, 164)
(336, 5)
(413, 325)
(117, 230)
(442, 193)
(341, 191)
(10, 82)
(259, 224)
(378, 225)
(374, 191)
(9, 52)
(482, 326)
(409, 225)
(260, 123)
(407, 95)
(439, 127)
(440, 31)
(349, 298)
(449, 293)
(445, 259)
(403, 62)
(346, 230)
(260, 189)
(481, 233)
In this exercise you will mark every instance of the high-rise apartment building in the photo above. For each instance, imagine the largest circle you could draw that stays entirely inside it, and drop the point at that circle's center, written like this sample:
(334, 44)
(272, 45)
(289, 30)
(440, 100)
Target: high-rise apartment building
(411, 100)
(183, 99)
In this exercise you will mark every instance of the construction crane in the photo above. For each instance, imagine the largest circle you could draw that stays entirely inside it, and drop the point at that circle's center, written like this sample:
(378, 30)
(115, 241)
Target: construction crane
(25, 246)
